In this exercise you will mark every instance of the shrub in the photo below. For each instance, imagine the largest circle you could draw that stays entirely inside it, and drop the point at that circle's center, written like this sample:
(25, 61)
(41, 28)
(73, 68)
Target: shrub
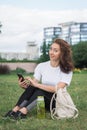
(20, 70)
(80, 54)
(77, 70)
(4, 69)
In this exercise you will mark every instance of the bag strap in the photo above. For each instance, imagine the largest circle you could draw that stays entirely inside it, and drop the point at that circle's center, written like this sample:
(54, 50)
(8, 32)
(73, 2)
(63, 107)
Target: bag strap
(53, 110)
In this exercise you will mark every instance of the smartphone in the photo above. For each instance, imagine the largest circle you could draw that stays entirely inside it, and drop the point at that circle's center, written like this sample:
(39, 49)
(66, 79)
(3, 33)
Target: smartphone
(20, 76)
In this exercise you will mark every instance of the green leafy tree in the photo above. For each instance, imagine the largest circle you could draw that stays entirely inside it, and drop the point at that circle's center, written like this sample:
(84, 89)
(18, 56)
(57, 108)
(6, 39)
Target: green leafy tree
(44, 53)
(0, 26)
(80, 54)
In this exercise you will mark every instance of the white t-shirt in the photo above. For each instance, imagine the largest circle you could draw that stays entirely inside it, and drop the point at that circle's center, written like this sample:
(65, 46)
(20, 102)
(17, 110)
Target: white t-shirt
(49, 75)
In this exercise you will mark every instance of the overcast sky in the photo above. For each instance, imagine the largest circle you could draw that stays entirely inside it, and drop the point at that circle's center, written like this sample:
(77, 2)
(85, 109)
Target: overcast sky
(24, 20)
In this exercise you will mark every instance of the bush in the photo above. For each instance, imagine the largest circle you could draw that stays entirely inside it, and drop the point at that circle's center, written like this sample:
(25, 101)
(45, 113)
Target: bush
(20, 70)
(4, 69)
(80, 54)
(77, 70)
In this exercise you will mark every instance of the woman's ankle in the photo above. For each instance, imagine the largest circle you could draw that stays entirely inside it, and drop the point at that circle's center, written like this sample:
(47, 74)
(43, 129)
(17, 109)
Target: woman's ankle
(16, 108)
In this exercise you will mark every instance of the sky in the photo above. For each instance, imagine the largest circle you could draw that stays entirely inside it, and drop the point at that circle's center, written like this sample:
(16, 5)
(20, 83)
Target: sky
(24, 20)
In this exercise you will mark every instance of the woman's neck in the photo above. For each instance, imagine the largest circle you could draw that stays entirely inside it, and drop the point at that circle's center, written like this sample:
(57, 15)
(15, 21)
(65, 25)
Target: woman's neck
(54, 63)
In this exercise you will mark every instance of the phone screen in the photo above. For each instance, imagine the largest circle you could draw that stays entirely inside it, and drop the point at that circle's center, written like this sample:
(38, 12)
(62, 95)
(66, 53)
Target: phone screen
(20, 76)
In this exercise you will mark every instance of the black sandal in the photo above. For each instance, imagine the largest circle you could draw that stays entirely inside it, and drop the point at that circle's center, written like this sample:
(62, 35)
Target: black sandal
(19, 115)
(9, 113)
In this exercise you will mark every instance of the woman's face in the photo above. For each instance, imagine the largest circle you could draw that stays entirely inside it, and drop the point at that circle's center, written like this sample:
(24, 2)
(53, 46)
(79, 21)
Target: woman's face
(54, 52)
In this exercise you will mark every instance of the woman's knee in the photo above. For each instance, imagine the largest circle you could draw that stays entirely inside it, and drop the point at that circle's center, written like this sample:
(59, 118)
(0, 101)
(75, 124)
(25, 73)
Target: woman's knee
(39, 92)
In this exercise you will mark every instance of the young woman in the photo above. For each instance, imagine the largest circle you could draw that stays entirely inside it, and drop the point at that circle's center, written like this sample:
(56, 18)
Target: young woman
(55, 72)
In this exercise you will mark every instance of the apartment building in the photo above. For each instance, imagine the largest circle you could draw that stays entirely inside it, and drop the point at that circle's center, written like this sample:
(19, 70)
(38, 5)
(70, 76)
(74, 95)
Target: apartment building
(72, 32)
(51, 33)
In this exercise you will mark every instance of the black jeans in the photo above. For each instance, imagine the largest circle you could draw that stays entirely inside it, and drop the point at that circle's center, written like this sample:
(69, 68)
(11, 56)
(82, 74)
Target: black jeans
(29, 98)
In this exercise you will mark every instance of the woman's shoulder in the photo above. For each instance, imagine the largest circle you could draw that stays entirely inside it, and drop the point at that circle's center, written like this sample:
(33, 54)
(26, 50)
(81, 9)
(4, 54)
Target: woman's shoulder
(44, 63)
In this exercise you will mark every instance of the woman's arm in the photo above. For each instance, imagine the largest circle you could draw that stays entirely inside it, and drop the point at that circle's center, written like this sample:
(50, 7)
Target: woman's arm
(47, 88)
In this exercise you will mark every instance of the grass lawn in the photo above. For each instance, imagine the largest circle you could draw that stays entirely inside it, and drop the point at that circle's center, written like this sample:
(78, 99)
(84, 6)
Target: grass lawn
(10, 91)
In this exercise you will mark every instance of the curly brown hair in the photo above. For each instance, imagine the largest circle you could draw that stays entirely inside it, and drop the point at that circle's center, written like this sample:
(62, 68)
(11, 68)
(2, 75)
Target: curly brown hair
(66, 62)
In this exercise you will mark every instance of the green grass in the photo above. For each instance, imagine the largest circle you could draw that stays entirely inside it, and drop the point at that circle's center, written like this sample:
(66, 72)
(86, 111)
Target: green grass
(10, 91)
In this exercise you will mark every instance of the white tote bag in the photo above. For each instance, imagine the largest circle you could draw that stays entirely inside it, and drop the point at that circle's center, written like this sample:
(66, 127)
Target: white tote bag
(64, 107)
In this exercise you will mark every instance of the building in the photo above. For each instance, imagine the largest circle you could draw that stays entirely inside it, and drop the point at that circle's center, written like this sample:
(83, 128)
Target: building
(32, 53)
(14, 55)
(51, 33)
(72, 32)
(32, 49)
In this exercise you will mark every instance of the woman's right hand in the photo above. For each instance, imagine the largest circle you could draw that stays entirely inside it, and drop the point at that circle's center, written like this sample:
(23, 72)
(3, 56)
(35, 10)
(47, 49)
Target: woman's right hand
(23, 84)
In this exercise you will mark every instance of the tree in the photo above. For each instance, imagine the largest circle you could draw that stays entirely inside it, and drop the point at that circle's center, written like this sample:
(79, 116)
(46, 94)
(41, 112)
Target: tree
(44, 53)
(80, 54)
(0, 26)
